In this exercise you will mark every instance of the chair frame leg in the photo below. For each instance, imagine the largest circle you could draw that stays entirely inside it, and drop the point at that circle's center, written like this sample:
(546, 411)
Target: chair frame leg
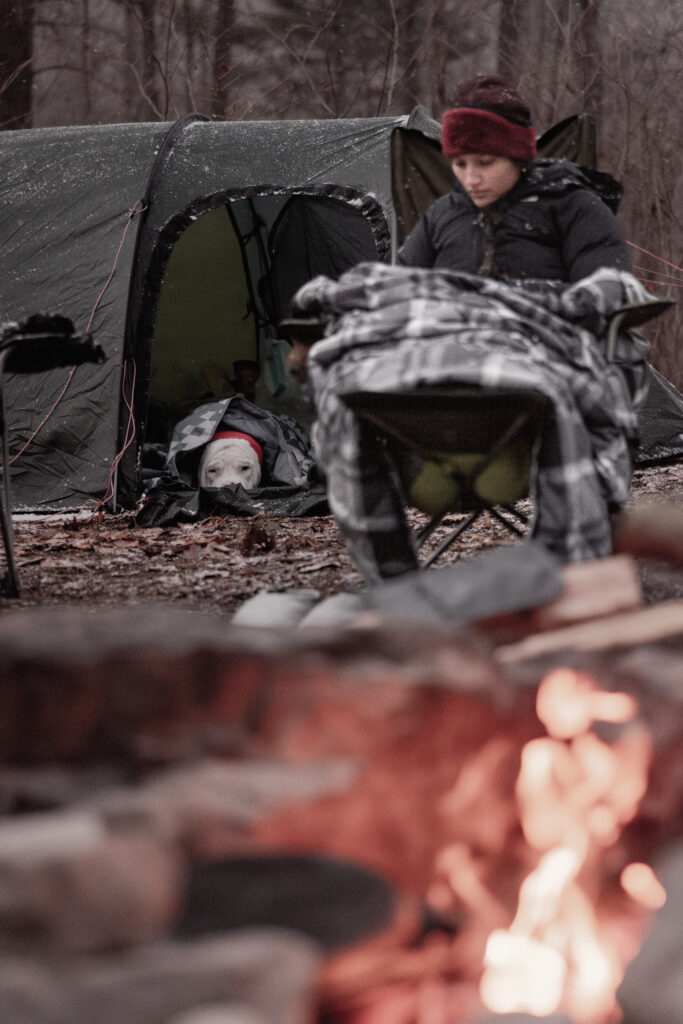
(427, 530)
(512, 527)
(514, 511)
(451, 538)
(10, 584)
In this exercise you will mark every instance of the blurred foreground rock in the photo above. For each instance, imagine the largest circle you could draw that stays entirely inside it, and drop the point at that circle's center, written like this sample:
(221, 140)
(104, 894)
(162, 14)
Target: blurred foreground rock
(271, 972)
(139, 744)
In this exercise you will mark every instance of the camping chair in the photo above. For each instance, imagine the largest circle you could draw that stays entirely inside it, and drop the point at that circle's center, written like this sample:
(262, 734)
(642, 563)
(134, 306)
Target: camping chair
(42, 343)
(462, 449)
(459, 449)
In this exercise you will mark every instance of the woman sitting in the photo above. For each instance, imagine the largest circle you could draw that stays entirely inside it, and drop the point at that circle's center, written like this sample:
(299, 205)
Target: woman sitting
(507, 279)
(512, 215)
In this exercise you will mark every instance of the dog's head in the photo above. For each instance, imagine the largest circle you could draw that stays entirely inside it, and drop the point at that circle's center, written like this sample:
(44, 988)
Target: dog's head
(231, 458)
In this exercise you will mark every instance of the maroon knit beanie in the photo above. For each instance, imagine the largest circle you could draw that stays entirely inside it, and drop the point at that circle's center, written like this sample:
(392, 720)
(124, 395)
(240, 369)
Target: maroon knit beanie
(488, 116)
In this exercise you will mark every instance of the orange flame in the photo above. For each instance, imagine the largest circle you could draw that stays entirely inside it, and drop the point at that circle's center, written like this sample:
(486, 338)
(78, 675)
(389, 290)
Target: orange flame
(575, 792)
(642, 885)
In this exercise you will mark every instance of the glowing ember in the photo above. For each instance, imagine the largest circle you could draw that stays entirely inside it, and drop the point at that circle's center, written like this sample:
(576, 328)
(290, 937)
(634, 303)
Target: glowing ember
(642, 885)
(522, 975)
(575, 793)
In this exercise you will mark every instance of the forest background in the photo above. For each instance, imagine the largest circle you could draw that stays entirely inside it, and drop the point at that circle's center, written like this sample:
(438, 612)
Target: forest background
(66, 62)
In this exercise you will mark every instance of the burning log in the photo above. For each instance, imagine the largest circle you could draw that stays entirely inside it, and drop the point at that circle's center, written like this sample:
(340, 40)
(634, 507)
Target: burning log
(651, 530)
(590, 591)
(630, 629)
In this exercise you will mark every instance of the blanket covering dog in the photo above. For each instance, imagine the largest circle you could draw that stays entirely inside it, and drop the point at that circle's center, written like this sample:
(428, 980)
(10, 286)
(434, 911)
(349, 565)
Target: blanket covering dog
(396, 328)
(287, 452)
(289, 485)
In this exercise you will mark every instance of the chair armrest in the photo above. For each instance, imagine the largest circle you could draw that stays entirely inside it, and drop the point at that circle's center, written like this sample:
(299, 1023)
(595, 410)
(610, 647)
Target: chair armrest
(304, 330)
(633, 315)
(45, 343)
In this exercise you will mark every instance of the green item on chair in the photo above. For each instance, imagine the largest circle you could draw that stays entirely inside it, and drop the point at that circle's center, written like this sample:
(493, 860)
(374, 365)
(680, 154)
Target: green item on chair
(446, 481)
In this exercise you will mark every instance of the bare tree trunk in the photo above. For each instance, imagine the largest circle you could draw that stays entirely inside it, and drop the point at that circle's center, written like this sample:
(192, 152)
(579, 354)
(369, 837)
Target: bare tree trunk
(149, 55)
(86, 69)
(16, 57)
(510, 33)
(537, 41)
(193, 81)
(411, 31)
(590, 55)
(223, 30)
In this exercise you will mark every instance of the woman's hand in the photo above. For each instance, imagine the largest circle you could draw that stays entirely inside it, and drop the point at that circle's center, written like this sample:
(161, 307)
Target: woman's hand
(297, 361)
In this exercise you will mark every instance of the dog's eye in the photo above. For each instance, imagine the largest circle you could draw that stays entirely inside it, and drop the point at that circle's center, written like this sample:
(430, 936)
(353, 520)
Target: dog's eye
(245, 468)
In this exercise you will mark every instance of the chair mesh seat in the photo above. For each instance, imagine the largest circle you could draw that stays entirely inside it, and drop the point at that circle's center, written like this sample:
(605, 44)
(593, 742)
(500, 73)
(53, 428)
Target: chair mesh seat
(457, 449)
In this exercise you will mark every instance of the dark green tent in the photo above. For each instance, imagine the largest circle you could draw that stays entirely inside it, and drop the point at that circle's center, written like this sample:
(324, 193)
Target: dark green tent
(180, 246)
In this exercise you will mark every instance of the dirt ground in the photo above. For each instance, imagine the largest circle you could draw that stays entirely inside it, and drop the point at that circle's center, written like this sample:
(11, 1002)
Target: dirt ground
(215, 565)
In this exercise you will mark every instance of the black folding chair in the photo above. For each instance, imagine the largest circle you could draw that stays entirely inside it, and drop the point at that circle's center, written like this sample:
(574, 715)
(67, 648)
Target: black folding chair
(459, 449)
(41, 343)
(471, 450)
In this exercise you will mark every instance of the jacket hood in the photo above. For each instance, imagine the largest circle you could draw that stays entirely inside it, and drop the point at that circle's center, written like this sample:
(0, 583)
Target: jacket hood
(548, 176)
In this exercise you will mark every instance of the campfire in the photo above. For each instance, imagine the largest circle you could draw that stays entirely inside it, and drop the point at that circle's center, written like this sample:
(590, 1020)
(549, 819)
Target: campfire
(549, 905)
(378, 825)
(575, 793)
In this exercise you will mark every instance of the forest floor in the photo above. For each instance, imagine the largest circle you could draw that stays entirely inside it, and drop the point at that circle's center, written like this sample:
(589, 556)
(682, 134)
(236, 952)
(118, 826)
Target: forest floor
(213, 566)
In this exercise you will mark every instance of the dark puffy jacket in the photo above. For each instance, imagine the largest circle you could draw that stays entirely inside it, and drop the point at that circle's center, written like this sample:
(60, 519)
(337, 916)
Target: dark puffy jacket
(557, 223)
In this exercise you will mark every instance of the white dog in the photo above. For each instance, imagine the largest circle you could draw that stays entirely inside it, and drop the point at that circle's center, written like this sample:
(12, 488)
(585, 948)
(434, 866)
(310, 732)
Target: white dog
(231, 458)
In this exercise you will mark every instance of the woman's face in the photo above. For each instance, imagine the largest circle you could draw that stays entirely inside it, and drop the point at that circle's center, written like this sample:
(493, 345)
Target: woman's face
(485, 178)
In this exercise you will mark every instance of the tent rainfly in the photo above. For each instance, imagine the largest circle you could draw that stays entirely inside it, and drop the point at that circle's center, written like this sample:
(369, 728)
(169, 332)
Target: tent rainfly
(179, 246)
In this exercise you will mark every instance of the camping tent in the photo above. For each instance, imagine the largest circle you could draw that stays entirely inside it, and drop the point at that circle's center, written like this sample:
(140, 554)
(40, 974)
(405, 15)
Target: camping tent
(180, 246)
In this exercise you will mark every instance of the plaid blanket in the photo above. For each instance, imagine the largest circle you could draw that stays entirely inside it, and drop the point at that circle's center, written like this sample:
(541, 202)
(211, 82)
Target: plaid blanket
(396, 328)
(287, 452)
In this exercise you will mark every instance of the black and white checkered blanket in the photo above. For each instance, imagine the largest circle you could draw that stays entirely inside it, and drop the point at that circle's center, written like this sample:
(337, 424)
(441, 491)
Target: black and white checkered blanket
(397, 328)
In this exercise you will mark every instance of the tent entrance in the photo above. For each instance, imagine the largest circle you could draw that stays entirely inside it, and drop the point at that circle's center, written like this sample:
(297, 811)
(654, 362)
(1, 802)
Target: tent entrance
(205, 322)
(229, 277)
